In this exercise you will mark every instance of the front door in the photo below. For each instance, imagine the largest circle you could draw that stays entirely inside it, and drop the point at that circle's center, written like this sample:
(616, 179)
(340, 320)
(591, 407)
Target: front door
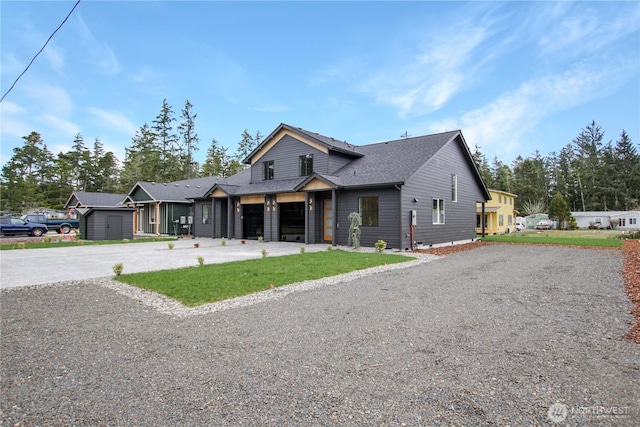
(328, 220)
(114, 227)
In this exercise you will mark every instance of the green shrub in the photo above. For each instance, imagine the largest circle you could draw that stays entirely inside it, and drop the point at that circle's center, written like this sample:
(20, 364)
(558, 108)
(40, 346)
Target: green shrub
(329, 247)
(380, 245)
(125, 240)
(117, 269)
(302, 249)
(223, 241)
(200, 260)
(80, 242)
(260, 239)
(170, 245)
(264, 253)
(47, 239)
(634, 235)
(20, 245)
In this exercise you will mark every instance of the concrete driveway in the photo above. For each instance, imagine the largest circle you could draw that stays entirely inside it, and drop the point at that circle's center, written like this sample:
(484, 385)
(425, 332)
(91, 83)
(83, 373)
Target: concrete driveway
(40, 266)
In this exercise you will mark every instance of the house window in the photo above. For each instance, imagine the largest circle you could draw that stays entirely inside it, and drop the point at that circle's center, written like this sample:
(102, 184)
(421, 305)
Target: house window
(267, 170)
(632, 221)
(368, 208)
(438, 211)
(454, 187)
(306, 165)
(499, 198)
(622, 222)
(500, 220)
(206, 214)
(510, 219)
(510, 201)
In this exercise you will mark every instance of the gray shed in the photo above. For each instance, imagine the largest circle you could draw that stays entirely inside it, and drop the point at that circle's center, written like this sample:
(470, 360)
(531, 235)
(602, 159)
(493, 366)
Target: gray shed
(106, 223)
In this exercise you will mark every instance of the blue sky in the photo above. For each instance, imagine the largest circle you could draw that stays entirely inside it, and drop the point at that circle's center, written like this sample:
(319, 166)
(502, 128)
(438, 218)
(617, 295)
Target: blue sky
(514, 76)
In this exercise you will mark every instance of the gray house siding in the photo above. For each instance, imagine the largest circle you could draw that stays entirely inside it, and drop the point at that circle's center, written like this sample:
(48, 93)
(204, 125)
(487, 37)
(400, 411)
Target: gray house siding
(433, 181)
(200, 229)
(285, 155)
(220, 215)
(271, 220)
(336, 161)
(388, 228)
(96, 224)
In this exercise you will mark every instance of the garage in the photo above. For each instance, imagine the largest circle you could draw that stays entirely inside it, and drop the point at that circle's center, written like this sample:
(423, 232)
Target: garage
(291, 222)
(106, 223)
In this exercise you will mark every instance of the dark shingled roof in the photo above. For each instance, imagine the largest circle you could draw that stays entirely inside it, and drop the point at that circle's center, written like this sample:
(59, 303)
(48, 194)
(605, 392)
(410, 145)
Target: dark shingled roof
(94, 199)
(329, 142)
(178, 191)
(392, 161)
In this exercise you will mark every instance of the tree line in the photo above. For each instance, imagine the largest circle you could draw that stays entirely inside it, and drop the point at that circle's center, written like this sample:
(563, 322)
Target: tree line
(162, 151)
(588, 173)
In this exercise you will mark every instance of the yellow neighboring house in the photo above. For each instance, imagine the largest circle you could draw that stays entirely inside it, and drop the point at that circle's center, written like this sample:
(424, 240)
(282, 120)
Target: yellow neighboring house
(499, 213)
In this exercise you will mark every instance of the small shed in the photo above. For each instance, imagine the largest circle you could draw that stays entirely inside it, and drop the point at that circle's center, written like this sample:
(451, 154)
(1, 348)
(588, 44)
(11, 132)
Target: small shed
(106, 223)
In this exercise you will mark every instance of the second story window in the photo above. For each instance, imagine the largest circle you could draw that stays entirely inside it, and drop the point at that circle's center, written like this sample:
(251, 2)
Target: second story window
(306, 165)
(267, 170)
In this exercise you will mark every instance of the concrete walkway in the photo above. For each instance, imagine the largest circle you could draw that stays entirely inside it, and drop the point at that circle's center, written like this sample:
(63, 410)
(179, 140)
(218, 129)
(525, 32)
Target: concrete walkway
(40, 266)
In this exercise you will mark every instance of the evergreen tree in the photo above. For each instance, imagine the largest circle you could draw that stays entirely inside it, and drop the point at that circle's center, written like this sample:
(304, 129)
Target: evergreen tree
(142, 160)
(559, 210)
(167, 145)
(483, 167)
(627, 166)
(190, 141)
(246, 145)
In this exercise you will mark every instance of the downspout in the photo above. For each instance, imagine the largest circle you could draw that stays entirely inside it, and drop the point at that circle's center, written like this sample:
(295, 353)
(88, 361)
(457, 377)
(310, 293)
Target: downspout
(334, 233)
(157, 224)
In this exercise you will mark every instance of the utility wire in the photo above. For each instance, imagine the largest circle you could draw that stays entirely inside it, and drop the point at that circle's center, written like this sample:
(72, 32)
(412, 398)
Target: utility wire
(40, 51)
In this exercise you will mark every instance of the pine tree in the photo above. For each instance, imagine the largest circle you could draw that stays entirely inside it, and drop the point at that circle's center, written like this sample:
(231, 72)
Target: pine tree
(167, 144)
(190, 141)
(246, 145)
(559, 210)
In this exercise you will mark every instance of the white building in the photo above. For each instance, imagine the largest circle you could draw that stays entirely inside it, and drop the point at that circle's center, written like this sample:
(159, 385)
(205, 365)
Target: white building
(624, 220)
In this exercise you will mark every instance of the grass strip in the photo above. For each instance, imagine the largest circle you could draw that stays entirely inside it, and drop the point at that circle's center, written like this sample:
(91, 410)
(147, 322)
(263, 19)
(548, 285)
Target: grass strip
(216, 282)
(554, 240)
(67, 243)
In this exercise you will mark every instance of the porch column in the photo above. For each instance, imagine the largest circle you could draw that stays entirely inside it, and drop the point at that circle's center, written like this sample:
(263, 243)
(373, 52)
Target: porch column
(484, 226)
(157, 218)
(306, 217)
(230, 216)
(334, 233)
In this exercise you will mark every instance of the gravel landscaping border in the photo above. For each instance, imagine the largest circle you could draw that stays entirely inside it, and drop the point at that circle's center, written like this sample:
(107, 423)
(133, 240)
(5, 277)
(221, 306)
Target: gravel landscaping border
(497, 335)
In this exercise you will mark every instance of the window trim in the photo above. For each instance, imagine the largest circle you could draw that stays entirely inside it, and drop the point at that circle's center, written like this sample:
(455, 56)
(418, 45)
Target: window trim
(375, 223)
(438, 206)
(268, 170)
(305, 164)
(454, 188)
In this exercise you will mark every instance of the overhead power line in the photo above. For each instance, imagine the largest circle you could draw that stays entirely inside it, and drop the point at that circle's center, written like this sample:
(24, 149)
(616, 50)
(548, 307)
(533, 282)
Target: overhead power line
(40, 51)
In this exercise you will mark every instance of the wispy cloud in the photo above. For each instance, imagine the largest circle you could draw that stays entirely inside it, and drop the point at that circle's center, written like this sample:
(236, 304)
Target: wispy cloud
(582, 29)
(49, 98)
(504, 123)
(100, 53)
(62, 126)
(113, 120)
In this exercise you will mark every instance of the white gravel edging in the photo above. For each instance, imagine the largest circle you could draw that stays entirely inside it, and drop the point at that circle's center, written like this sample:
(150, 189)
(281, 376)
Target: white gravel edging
(172, 307)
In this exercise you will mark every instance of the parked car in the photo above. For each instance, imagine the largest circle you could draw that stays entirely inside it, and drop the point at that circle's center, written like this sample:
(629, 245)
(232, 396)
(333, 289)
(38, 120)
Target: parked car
(520, 226)
(10, 226)
(544, 224)
(63, 226)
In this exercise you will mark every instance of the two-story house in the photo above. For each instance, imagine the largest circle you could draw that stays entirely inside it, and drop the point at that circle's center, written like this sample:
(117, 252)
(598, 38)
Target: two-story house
(301, 186)
(499, 213)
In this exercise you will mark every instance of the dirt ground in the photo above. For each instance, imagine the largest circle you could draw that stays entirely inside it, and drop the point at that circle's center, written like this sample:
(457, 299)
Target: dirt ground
(630, 272)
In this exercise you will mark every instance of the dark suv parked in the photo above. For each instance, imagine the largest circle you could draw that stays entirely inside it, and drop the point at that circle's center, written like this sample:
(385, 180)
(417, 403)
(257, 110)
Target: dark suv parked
(10, 225)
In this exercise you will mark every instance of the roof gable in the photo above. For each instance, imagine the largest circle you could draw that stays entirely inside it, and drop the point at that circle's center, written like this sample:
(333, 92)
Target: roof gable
(177, 191)
(315, 140)
(94, 199)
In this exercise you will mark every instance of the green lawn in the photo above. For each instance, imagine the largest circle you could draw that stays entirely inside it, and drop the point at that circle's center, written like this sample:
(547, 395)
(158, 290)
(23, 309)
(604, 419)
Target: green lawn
(67, 243)
(568, 238)
(216, 282)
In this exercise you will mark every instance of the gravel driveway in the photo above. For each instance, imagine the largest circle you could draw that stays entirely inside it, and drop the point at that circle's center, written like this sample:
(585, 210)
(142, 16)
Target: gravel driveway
(490, 336)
